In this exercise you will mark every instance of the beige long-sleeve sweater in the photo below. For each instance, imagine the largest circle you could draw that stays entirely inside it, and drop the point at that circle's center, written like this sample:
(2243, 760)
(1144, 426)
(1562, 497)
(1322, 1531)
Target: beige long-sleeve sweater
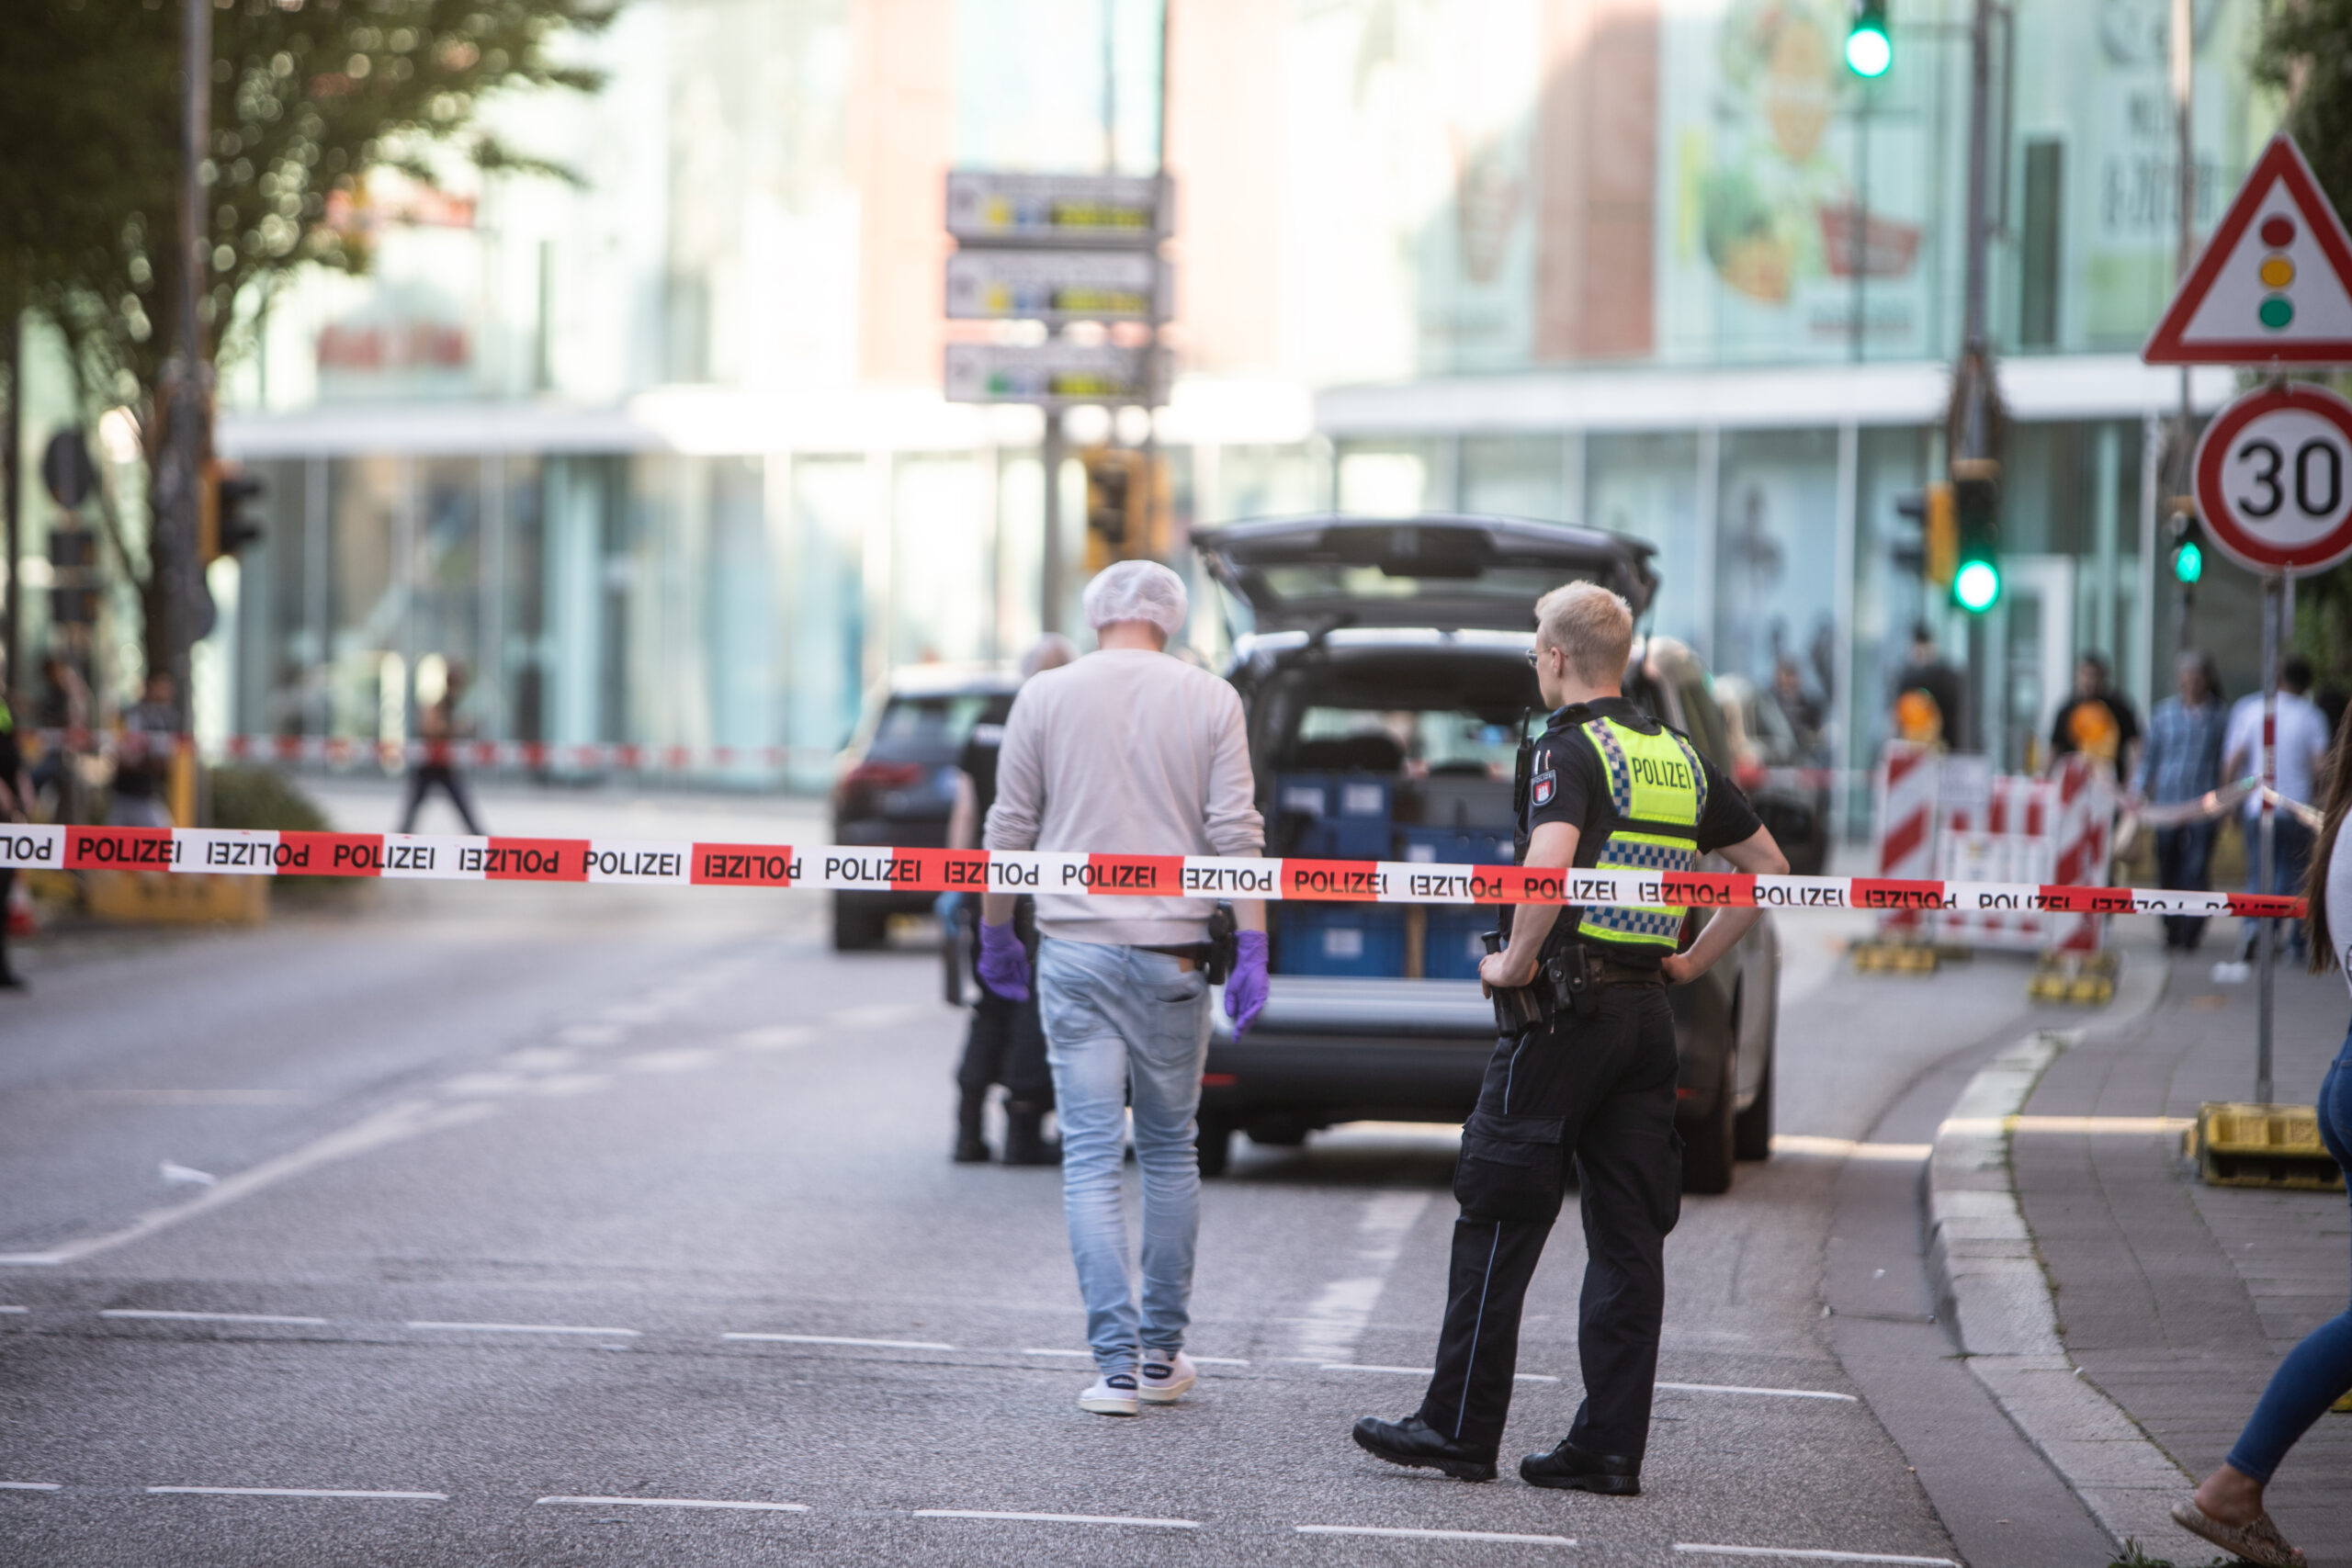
(1126, 753)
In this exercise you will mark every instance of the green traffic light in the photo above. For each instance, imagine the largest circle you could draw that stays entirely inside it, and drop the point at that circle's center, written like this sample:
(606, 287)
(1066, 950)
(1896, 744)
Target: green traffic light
(1868, 51)
(2188, 562)
(1976, 585)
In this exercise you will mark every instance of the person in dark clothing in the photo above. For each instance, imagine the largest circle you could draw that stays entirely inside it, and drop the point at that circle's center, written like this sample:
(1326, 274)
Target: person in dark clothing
(439, 728)
(1930, 700)
(2097, 721)
(1590, 1079)
(2181, 762)
(144, 750)
(1006, 1043)
(16, 805)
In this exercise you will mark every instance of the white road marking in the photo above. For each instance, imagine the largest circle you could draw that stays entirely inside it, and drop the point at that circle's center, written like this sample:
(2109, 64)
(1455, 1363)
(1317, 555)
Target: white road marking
(32, 1486)
(879, 1015)
(1769, 1393)
(774, 1037)
(484, 1085)
(1220, 1360)
(840, 1340)
(1436, 1535)
(1076, 1355)
(541, 1059)
(14, 1309)
(296, 1492)
(521, 1328)
(1057, 1519)
(1848, 1148)
(1421, 1371)
(160, 1313)
(1335, 1319)
(391, 1125)
(672, 1503)
(1812, 1556)
(2127, 1126)
(670, 1059)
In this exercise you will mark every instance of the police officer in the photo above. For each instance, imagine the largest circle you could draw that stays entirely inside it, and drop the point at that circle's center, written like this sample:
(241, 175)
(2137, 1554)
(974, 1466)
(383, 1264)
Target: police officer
(1006, 1043)
(1584, 1072)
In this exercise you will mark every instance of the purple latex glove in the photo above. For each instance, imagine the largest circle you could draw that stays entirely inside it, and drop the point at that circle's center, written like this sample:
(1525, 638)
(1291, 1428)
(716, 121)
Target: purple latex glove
(1245, 989)
(1004, 962)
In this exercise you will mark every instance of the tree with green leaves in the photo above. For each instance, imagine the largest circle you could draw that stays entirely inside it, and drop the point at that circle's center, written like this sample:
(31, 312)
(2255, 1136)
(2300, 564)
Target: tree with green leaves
(307, 96)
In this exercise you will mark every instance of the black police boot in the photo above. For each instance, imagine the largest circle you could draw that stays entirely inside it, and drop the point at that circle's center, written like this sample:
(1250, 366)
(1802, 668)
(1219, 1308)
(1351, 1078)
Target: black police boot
(1569, 1469)
(1412, 1442)
(1025, 1142)
(969, 1147)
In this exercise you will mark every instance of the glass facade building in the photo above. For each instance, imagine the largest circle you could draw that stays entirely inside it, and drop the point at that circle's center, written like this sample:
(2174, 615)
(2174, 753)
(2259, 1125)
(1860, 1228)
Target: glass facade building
(660, 456)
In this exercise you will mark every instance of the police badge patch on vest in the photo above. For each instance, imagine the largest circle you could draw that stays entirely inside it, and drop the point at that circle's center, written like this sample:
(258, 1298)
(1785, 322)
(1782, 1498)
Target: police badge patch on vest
(1542, 787)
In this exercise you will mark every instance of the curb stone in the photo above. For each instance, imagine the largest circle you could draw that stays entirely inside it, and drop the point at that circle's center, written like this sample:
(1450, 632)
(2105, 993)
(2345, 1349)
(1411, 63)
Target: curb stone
(1991, 1289)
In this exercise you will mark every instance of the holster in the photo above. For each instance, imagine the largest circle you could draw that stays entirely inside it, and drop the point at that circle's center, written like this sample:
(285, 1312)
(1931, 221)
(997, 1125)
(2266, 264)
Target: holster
(1223, 949)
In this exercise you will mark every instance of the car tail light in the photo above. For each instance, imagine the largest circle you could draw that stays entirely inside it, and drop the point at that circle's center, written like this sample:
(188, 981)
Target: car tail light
(869, 776)
(1218, 1080)
(1748, 774)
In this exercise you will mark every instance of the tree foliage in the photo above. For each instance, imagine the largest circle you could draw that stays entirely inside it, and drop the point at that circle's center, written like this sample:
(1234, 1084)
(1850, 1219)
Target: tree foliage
(2305, 51)
(307, 96)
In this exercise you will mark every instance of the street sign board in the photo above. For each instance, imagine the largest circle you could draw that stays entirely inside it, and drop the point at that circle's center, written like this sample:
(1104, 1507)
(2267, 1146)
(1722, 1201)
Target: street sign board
(2274, 479)
(1055, 373)
(2274, 285)
(1059, 286)
(1130, 212)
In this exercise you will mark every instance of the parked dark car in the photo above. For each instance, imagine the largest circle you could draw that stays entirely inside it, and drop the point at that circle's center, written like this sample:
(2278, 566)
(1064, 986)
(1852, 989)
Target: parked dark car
(896, 783)
(1781, 769)
(1383, 666)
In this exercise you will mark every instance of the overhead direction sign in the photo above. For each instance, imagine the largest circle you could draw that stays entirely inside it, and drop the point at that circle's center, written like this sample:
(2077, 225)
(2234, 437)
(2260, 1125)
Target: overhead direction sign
(1055, 286)
(988, 207)
(2274, 285)
(2274, 479)
(1055, 373)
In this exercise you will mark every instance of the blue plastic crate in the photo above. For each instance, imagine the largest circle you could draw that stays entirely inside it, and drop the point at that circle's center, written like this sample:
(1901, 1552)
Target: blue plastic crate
(1455, 941)
(1343, 837)
(1303, 795)
(1454, 846)
(1357, 941)
(1362, 797)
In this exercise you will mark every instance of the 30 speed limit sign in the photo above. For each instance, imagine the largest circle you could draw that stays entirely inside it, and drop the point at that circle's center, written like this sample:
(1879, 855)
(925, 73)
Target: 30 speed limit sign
(2274, 479)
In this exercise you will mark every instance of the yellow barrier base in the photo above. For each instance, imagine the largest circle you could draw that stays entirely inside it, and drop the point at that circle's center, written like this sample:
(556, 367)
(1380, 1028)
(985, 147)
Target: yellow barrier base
(2085, 979)
(2261, 1145)
(1893, 957)
(177, 898)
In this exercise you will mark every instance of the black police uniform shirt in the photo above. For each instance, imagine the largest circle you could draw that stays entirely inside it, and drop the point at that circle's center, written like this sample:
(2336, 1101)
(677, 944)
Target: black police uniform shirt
(980, 750)
(1566, 784)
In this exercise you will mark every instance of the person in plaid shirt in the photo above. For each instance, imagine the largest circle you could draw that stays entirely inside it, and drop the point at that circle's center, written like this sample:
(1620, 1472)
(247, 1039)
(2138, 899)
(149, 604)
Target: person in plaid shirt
(2182, 761)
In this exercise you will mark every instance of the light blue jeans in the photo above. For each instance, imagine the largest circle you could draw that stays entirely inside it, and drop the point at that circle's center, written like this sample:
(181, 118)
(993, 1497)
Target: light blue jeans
(1124, 1024)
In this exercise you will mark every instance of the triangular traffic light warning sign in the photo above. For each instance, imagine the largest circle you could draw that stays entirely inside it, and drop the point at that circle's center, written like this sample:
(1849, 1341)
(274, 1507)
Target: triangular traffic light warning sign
(2274, 285)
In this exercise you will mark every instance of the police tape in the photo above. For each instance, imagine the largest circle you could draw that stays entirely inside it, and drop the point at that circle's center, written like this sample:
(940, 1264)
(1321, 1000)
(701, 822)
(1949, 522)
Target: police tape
(880, 869)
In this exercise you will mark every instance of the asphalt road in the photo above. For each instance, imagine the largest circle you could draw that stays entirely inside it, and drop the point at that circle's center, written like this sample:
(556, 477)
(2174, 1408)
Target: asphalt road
(506, 1224)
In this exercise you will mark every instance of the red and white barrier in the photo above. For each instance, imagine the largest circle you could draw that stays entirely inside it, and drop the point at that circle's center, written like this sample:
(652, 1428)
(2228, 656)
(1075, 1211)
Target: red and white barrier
(871, 868)
(1905, 793)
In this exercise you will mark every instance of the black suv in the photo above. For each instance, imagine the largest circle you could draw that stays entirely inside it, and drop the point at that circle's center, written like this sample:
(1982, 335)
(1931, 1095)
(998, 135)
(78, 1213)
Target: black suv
(1383, 666)
(897, 779)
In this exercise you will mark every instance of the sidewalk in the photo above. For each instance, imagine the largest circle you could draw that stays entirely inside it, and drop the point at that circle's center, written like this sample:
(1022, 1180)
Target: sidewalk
(2177, 1298)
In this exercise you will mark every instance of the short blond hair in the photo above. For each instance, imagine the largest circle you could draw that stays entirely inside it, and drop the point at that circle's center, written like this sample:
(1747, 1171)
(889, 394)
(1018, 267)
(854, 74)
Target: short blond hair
(1590, 624)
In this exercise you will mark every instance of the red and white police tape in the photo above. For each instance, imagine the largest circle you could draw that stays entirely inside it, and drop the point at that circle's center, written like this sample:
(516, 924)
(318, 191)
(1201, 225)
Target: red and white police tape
(880, 869)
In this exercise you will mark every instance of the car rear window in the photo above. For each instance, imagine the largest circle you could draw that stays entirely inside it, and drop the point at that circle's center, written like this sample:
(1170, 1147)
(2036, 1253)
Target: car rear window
(926, 728)
(1427, 739)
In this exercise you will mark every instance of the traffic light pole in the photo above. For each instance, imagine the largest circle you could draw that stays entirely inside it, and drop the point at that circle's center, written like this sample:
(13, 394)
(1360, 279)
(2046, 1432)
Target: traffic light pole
(1052, 587)
(174, 564)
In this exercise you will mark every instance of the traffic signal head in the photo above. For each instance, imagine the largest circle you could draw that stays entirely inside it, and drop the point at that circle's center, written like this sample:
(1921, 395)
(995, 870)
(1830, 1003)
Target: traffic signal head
(223, 526)
(1976, 574)
(1870, 51)
(2188, 562)
(1937, 554)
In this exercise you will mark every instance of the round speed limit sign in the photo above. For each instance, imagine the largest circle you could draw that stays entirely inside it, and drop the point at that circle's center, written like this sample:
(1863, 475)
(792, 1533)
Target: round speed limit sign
(2274, 479)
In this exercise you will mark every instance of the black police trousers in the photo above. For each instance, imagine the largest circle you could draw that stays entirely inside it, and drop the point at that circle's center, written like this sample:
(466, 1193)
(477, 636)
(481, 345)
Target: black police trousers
(1007, 1045)
(1598, 1091)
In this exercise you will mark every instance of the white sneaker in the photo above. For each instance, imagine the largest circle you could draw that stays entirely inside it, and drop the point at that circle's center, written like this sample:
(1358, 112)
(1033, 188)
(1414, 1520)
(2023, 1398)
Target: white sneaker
(1165, 1382)
(1114, 1395)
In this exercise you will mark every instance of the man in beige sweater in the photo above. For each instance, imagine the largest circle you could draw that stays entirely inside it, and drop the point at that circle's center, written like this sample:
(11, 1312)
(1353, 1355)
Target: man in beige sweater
(1127, 752)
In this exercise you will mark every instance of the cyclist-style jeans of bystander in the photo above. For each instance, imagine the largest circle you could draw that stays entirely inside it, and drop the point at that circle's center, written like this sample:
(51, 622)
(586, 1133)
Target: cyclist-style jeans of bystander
(1122, 1024)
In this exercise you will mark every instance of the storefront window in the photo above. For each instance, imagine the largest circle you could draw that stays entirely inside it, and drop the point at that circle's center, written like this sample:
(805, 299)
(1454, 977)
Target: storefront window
(1647, 486)
(1776, 537)
(1515, 475)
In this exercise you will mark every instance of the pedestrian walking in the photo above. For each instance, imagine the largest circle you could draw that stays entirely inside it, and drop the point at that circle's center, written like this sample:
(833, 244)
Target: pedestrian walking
(1584, 1070)
(2098, 720)
(2303, 740)
(63, 716)
(1006, 1042)
(142, 764)
(2226, 1508)
(2181, 764)
(440, 727)
(1930, 699)
(16, 805)
(1128, 751)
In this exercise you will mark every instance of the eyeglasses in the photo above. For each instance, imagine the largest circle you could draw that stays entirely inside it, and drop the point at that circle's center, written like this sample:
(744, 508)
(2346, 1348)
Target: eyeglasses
(1535, 657)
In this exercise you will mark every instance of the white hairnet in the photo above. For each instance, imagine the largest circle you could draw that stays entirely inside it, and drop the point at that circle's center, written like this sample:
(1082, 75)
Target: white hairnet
(1049, 652)
(1137, 591)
